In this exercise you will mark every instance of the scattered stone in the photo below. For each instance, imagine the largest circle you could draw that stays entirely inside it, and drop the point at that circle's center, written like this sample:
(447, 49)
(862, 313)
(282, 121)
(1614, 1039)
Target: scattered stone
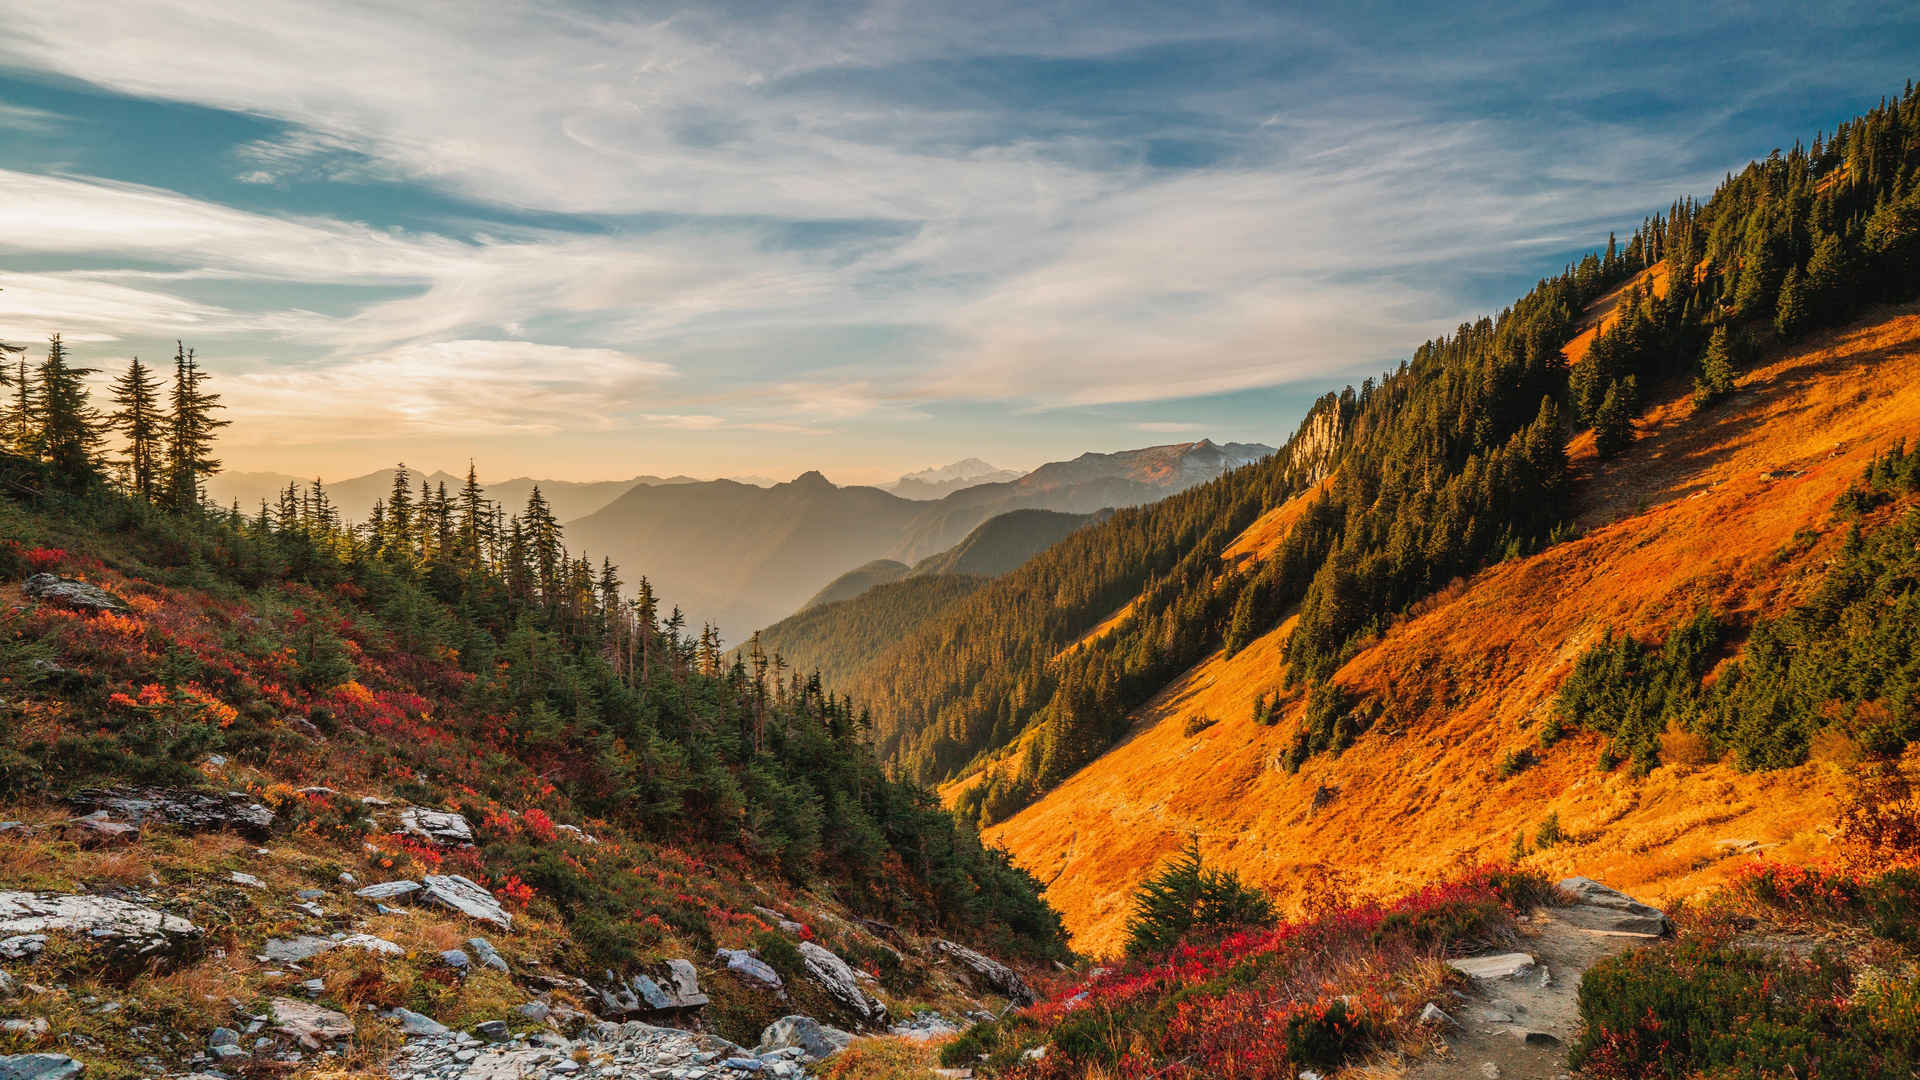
(194, 811)
(312, 1026)
(310, 894)
(248, 880)
(73, 593)
(1502, 966)
(493, 1031)
(347, 879)
(413, 1023)
(536, 1011)
(38, 1066)
(837, 979)
(231, 1054)
(814, 1039)
(314, 987)
(750, 968)
(302, 725)
(124, 930)
(1435, 1015)
(462, 895)
(1539, 1038)
(304, 947)
(310, 908)
(32, 1027)
(786, 925)
(1001, 978)
(441, 827)
(388, 890)
(456, 959)
(685, 980)
(222, 1036)
(488, 956)
(7, 987)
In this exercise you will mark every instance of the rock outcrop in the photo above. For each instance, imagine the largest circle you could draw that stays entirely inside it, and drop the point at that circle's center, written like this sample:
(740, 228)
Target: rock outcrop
(836, 978)
(1002, 979)
(463, 895)
(122, 930)
(815, 1039)
(1606, 910)
(73, 593)
(441, 827)
(751, 969)
(194, 811)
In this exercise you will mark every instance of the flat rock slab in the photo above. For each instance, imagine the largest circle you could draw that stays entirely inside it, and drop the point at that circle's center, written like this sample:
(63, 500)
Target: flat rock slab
(1610, 910)
(751, 969)
(388, 890)
(1502, 966)
(463, 895)
(310, 1025)
(125, 930)
(38, 1067)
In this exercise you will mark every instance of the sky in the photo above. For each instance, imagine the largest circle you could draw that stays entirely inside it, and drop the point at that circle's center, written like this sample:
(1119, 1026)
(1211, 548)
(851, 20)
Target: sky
(590, 240)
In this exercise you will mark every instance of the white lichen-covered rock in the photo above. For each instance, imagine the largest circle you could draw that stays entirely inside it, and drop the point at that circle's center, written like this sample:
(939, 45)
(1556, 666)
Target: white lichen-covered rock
(461, 894)
(73, 593)
(388, 890)
(304, 947)
(837, 979)
(310, 1025)
(996, 975)
(751, 969)
(441, 827)
(124, 930)
(815, 1039)
(925, 1027)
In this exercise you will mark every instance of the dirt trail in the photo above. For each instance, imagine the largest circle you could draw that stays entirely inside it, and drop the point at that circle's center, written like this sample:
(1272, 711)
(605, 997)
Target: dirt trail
(1522, 1015)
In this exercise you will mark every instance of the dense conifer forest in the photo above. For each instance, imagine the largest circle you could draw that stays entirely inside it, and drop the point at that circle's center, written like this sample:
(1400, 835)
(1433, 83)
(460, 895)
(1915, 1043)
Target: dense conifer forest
(1452, 461)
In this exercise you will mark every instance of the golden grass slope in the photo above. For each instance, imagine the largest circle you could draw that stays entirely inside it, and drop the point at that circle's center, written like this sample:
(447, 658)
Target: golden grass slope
(1703, 509)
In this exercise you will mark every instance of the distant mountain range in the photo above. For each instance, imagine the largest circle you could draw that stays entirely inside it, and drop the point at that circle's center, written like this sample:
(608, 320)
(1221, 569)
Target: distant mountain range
(743, 557)
(947, 479)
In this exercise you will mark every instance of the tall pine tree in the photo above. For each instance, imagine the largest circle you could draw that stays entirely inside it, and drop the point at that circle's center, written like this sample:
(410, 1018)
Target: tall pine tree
(138, 419)
(69, 427)
(190, 431)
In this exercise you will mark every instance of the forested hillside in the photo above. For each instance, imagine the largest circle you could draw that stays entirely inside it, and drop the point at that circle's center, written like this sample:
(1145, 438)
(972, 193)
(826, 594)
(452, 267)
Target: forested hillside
(587, 764)
(1455, 460)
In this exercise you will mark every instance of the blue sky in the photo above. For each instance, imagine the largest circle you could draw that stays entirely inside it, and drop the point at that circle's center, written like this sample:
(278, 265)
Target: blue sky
(590, 240)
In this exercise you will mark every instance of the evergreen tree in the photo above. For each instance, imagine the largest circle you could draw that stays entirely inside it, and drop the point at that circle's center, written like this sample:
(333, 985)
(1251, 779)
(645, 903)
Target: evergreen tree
(141, 424)
(399, 535)
(191, 430)
(1715, 379)
(20, 425)
(1613, 423)
(543, 546)
(1187, 897)
(68, 438)
(1790, 310)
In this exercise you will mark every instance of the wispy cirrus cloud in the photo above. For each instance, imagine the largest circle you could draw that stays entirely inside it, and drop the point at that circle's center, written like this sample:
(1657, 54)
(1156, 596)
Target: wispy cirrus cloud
(866, 216)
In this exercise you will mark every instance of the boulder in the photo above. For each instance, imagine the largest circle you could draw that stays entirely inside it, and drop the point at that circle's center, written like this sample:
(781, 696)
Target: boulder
(1610, 911)
(1001, 978)
(73, 593)
(38, 1066)
(684, 983)
(194, 811)
(125, 931)
(310, 1025)
(837, 979)
(98, 830)
(438, 826)
(413, 1023)
(464, 896)
(750, 969)
(815, 1039)
(486, 954)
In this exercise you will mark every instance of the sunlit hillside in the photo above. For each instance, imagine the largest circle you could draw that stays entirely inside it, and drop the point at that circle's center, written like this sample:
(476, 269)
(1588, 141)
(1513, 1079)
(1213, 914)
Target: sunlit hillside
(1729, 508)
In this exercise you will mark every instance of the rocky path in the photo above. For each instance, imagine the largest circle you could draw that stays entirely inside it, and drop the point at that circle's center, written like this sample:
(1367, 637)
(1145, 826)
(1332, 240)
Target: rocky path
(1522, 1014)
